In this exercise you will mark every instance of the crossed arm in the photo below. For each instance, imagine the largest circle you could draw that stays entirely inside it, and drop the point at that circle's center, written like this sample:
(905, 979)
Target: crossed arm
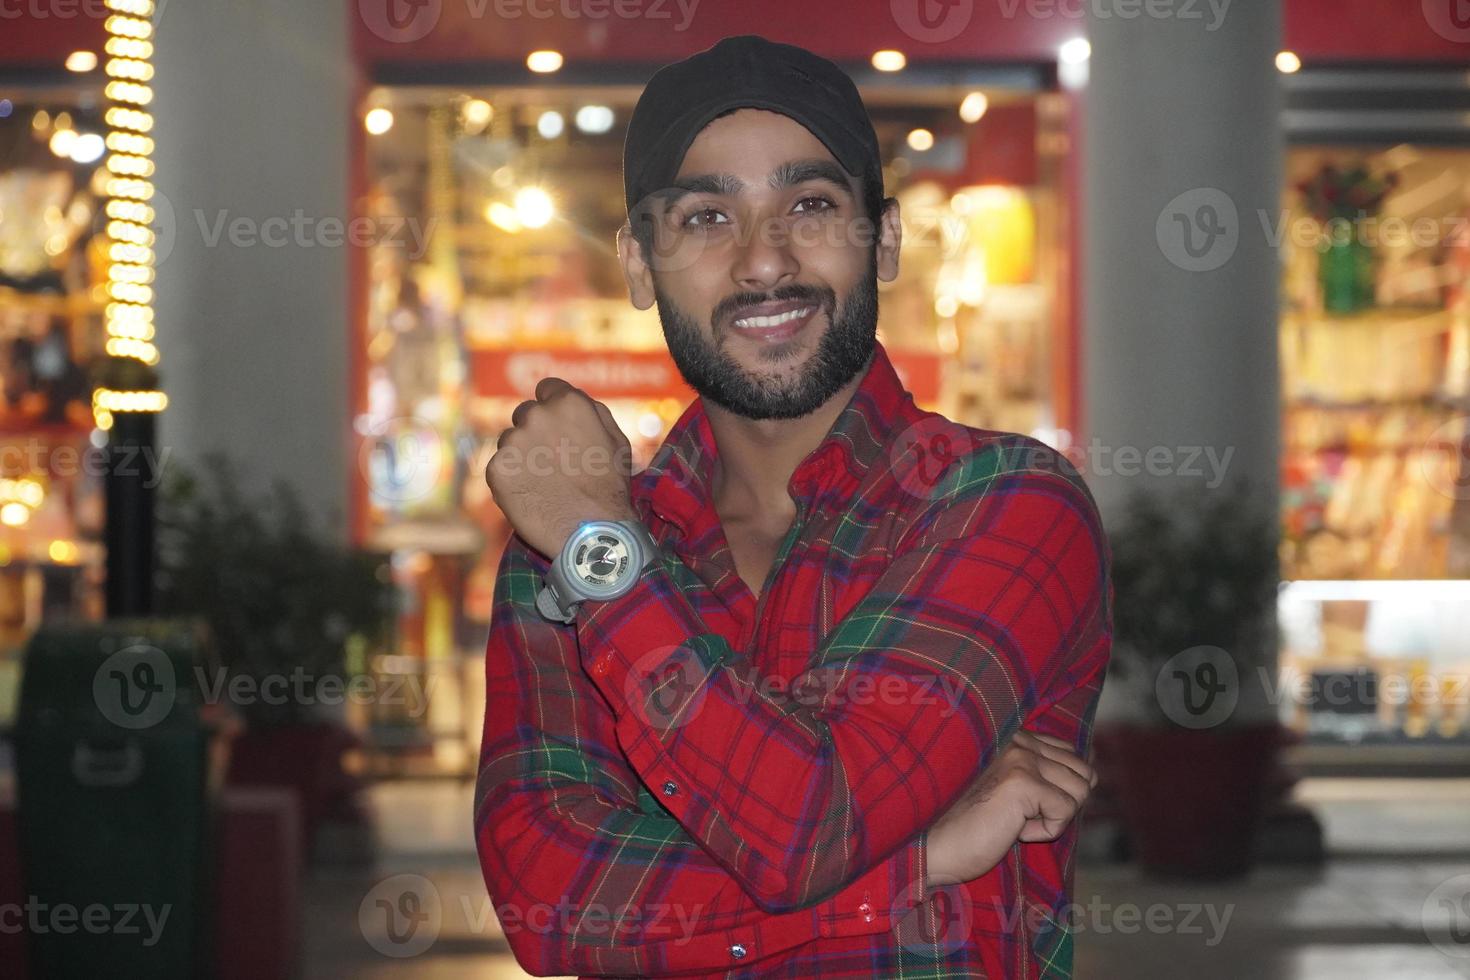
(776, 817)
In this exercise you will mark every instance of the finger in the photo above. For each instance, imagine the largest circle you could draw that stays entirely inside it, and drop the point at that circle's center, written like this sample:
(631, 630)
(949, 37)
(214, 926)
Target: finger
(518, 415)
(1066, 780)
(610, 423)
(1053, 811)
(1059, 751)
(1060, 743)
(549, 387)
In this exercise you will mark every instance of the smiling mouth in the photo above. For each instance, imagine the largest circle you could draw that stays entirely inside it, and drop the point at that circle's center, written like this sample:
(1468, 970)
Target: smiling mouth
(762, 322)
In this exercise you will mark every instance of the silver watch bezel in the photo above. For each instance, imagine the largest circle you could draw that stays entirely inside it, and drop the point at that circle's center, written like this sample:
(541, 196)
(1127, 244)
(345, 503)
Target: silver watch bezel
(565, 588)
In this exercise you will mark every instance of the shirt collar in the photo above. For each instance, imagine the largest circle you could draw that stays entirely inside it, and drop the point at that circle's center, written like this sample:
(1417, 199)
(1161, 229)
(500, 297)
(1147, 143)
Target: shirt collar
(676, 481)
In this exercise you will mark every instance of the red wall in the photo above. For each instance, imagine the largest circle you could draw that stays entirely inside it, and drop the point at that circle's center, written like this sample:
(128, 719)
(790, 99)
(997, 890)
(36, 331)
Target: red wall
(42, 32)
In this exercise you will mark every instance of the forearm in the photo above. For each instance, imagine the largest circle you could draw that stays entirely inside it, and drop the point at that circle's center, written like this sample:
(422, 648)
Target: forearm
(583, 882)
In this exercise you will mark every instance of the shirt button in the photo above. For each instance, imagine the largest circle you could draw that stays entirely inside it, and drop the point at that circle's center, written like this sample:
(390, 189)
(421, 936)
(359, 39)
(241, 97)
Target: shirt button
(602, 665)
(670, 789)
(867, 910)
(737, 951)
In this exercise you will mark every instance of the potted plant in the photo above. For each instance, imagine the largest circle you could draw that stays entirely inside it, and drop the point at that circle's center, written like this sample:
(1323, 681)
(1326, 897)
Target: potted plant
(1341, 199)
(284, 603)
(1195, 576)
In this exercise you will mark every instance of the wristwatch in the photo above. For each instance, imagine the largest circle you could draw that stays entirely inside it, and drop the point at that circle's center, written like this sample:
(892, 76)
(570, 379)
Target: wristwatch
(601, 560)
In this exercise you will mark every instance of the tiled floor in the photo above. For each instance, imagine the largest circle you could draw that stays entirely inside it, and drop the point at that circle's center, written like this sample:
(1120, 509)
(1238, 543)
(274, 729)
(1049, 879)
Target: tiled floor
(1372, 912)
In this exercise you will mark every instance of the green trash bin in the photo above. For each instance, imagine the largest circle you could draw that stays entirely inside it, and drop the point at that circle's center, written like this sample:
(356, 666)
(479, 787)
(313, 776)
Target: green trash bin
(111, 789)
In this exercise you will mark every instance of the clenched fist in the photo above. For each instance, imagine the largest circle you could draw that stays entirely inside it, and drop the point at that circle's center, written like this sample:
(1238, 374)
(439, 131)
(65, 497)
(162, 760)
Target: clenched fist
(562, 462)
(1029, 792)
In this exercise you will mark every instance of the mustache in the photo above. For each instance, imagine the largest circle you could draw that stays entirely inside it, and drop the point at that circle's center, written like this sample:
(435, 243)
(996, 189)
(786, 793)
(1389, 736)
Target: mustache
(821, 296)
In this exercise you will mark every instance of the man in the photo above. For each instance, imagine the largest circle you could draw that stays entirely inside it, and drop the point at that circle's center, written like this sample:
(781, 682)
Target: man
(809, 695)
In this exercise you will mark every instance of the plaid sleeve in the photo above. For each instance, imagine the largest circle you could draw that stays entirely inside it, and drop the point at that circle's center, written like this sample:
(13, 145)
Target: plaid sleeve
(587, 872)
(997, 596)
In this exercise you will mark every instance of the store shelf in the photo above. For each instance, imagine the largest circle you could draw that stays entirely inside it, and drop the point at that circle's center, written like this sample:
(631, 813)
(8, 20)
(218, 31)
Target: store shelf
(1440, 758)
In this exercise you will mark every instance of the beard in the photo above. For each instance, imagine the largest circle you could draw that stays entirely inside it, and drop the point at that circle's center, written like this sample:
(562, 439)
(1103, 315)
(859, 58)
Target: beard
(841, 354)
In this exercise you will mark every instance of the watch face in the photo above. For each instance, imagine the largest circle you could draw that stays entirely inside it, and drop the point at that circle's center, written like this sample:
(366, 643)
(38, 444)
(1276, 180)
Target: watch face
(601, 560)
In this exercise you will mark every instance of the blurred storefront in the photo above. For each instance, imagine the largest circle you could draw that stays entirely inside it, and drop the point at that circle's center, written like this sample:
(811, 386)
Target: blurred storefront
(53, 280)
(1375, 346)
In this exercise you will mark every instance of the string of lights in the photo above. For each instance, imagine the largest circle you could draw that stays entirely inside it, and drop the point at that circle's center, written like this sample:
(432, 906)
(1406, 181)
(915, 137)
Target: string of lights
(132, 382)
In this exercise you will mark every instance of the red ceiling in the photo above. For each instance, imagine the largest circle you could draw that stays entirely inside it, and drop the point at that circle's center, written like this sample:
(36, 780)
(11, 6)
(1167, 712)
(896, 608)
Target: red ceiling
(41, 32)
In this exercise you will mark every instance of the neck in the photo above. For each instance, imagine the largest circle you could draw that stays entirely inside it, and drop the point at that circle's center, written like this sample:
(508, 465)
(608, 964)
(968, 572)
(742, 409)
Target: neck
(756, 457)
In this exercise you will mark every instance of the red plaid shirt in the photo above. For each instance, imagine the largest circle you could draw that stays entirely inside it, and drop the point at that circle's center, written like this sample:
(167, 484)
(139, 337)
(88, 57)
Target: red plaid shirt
(688, 781)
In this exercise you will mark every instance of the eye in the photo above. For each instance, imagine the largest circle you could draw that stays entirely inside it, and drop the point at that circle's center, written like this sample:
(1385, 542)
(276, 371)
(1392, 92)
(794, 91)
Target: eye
(703, 217)
(815, 204)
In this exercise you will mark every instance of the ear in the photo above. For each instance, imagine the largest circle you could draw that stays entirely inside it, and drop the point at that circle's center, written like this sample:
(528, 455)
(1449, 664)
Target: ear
(890, 237)
(636, 271)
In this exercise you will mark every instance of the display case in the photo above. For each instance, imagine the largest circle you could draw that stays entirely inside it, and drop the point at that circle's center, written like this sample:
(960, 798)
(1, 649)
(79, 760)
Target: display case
(52, 279)
(1375, 357)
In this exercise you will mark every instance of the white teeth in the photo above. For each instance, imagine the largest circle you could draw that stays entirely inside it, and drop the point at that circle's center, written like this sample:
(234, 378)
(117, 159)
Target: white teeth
(774, 321)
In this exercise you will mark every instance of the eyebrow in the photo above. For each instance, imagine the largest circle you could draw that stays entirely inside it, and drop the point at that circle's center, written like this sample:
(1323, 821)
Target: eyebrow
(789, 174)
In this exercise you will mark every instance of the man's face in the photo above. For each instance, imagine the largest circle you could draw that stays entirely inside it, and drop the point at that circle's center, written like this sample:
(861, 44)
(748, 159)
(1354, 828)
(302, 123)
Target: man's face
(764, 268)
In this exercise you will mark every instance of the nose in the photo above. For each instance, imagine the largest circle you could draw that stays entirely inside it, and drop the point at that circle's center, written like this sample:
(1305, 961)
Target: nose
(766, 259)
